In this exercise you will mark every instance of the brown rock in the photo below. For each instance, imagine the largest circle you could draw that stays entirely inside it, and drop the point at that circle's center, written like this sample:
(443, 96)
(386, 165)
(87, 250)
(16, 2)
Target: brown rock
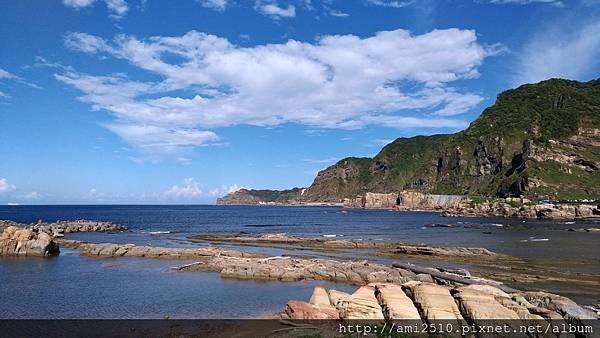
(302, 310)
(24, 242)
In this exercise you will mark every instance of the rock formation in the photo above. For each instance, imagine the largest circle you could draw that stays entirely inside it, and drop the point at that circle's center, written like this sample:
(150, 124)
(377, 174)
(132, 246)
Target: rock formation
(297, 269)
(540, 211)
(383, 247)
(362, 304)
(451, 205)
(59, 228)
(431, 303)
(25, 242)
(106, 250)
(394, 302)
(63, 227)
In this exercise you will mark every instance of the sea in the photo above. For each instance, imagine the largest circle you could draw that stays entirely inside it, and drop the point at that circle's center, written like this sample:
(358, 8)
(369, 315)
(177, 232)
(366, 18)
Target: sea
(74, 286)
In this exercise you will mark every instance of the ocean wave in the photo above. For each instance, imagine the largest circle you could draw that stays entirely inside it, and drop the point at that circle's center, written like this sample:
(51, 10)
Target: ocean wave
(332, 236)
(531, 239)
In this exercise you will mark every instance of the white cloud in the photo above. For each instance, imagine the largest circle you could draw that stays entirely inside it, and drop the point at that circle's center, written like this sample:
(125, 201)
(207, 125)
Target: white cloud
(6, 186)
(6, 75)
(34, 195)
(218, 5)
(78, 3)
(273, 10)
(557, 3)
(224, 190)
(155, 139)
(391, 79)
(189, 189)
(86, 43)
(116, 8)
(571, 51)
(391, 3)
(336, 13)
(321, 161)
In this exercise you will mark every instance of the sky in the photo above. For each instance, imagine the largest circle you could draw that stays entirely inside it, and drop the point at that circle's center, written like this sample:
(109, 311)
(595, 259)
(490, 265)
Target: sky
(156, 101)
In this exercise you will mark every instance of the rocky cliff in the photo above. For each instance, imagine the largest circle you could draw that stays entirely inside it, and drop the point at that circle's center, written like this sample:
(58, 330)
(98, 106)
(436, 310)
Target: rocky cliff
(539, 141)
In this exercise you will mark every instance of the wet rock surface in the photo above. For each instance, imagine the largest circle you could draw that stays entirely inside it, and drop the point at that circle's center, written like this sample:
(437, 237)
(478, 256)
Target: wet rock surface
(382, 247)
(107, 250)
(296, 269)
(16, 241)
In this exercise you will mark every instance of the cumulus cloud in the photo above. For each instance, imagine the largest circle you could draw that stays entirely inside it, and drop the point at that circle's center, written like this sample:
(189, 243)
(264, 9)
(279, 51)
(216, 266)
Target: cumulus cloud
(569, 51)
(224, 190)
(6, 186)
(116, 8)
(189, 189)
(273, 10)
(393, 78)
(218, 5)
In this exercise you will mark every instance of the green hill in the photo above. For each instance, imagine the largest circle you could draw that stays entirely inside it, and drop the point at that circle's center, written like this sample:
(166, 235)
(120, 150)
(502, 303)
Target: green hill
(539, 140)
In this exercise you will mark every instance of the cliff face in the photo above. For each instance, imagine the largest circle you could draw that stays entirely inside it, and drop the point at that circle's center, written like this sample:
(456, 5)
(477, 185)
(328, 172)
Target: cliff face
(539, 141)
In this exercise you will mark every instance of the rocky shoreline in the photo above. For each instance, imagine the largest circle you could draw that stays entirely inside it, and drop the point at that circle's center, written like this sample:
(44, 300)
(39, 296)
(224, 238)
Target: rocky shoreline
(110, 250)
(40, 239)
(385, 291)
(383, 248)
(425, 302)
(455, 205)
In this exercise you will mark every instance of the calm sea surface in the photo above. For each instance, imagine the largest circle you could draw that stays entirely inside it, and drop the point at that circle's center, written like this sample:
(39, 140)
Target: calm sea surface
(74, 286)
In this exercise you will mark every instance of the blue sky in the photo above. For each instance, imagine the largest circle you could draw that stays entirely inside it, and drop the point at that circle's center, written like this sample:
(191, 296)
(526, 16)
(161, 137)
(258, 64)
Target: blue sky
(133, 101)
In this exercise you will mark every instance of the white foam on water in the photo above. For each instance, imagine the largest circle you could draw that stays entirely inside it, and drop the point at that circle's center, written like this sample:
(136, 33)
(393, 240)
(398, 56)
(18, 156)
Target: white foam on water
(531, 239)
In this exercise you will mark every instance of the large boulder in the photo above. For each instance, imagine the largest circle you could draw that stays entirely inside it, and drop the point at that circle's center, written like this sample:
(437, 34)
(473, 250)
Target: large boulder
(25, 242)
(434, 302)
(395, 303)
(362, 304)
(302, 310)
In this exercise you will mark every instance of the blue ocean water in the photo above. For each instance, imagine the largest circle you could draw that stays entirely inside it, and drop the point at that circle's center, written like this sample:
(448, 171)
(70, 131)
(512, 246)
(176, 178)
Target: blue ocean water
(74, 286)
